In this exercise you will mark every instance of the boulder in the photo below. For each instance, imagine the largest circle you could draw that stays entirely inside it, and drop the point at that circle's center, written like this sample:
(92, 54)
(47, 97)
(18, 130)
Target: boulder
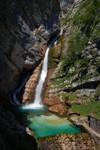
(29, 131)
(59, 109)
(51, 101)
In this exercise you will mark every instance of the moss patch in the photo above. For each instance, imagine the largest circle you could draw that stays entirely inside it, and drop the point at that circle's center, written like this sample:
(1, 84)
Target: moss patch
(69, 97)
(91, 108)
(56, 52)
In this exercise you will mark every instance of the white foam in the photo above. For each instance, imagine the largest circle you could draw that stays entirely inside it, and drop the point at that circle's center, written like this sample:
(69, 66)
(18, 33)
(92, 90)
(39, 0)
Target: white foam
(33, 106)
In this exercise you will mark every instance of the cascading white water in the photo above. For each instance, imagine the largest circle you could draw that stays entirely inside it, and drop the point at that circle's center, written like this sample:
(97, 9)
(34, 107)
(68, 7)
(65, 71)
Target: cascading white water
(43, 75)
(38, 95)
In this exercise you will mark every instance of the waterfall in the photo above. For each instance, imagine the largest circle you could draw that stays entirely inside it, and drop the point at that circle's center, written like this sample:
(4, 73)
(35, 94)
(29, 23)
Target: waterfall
(38, 95)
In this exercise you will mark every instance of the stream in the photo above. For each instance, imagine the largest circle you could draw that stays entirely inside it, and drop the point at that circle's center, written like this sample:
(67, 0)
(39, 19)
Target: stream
(40, 120)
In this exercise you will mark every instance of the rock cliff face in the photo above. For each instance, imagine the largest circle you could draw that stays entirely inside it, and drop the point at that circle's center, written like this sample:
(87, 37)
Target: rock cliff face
(19, 46)
(25, 26)
(25, 29)
(13, 134)
(95, 124)
(75, 80)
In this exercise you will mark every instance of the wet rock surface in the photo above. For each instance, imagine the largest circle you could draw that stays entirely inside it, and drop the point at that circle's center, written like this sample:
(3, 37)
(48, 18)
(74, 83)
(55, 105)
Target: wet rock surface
(30, 85)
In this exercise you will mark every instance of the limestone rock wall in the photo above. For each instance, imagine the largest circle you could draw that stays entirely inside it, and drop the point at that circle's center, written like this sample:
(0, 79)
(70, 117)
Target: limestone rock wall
(19, 47)
(95, 124)
(76, 81)
(20, 50)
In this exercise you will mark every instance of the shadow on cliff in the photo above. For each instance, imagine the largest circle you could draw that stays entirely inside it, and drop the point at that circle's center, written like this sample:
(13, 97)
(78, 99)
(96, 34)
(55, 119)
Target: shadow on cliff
(13, 134)
(17, 20)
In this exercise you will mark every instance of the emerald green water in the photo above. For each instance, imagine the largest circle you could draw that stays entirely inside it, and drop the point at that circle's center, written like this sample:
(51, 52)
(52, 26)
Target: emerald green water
(45, 124)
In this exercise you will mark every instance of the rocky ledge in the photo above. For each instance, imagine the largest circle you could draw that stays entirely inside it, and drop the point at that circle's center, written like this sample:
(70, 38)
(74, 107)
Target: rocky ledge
(68, 142)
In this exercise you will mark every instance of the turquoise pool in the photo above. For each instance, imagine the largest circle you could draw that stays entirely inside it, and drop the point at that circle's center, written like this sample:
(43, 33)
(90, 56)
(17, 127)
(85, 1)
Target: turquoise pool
(46, 124)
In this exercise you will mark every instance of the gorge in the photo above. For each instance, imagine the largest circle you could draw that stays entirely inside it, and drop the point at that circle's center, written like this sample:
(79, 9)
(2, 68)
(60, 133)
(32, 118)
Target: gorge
(42, 122)
(72, 85)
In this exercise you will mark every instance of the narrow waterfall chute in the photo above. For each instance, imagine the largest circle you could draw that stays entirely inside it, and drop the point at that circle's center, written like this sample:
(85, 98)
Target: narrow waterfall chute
(38, 95)
(43, 75)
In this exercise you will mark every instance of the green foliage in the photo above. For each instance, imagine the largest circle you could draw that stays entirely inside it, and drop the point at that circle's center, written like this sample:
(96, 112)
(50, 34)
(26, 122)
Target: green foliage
(87, 16)
(65, 21)
(92, 108)
(59, 82)
(77, 43)
(52, 55)
(85, 27)
(56, 52)
(60, 39)
(96, 32)
(69, 97)
(84, 62)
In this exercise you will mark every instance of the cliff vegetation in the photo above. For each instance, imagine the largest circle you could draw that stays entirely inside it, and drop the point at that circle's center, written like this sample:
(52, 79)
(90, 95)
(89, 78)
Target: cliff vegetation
(79, 74)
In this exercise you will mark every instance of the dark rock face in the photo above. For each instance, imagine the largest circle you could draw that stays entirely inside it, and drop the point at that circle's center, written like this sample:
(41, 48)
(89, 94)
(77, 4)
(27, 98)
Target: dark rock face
(66, 4)
(95, 124)
(19, 48)
(13, 135)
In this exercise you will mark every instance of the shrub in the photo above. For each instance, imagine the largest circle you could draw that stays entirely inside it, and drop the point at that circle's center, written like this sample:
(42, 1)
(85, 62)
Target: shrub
(77, 43)
(87, 16)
